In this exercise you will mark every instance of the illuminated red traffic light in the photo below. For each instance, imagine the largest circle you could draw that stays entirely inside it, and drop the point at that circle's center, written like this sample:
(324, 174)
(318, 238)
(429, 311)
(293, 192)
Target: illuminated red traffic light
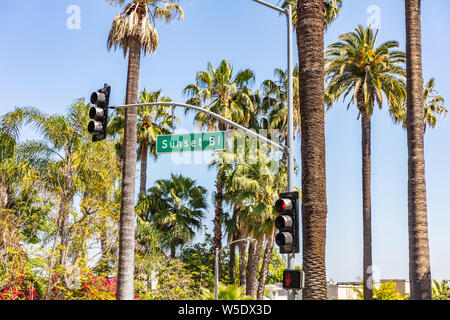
(282, 205)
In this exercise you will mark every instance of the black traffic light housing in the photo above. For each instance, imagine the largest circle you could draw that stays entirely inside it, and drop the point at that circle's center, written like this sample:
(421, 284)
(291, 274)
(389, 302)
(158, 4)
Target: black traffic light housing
(99, 113)
(287, 222)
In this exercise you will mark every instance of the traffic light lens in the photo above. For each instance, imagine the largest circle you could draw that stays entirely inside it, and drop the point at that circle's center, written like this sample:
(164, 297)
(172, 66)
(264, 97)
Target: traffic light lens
(283, 238)
(284, 221)
(98, 98)
(283, 205)
(96, 113)
(95, 126)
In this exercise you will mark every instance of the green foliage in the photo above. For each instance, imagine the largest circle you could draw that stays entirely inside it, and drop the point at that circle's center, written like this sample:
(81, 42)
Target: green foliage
(441, 291)
(93, 287)
(225, 293)
(199, 262)
(174, 283)
(355, 66)
(17, 278)
(386, 291)
(176, 207)
(276, 267)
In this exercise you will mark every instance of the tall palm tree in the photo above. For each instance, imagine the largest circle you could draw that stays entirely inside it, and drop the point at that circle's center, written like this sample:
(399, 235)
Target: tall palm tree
(331, 11)
(133, 32)
(419, 252)
(310, 44)
(227, 94)
(176, 206)
(152, 122)
(354, 65)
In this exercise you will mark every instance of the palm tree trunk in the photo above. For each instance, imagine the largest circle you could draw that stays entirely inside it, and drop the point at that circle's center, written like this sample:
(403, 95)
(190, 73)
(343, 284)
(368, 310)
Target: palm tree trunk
(250, 261)
(265, 265)
(254, 266)
(242, 261)
(125, 289)
(233, 238)
(419, 256)
(310, 45)
(232, 259)
(144, 160)
(366, 197)
(217, 217)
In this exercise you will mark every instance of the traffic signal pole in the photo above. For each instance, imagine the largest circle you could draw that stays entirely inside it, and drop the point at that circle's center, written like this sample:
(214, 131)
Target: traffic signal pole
(290, 136)
(290, 115)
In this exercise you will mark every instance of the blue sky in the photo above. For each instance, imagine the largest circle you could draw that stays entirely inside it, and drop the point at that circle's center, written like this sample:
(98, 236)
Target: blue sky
(47, 65)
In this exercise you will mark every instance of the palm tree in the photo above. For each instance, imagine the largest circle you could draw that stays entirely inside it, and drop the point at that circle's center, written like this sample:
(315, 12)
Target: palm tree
(433, 107)
(176, 207)
(152, 122)
(310, 44)
(133, 32)
(354, 65)
(275, 94)
(252, 188)
(227, 94)
(331, 11)
(419, 252)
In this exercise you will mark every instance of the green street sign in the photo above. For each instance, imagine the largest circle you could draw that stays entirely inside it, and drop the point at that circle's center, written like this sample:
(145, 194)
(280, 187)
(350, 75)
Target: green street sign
(208, 141)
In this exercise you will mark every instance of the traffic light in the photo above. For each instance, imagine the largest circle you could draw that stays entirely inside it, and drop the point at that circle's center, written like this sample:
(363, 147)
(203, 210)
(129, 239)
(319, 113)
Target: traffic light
(293, 279)
(287, 222)
(99, 113)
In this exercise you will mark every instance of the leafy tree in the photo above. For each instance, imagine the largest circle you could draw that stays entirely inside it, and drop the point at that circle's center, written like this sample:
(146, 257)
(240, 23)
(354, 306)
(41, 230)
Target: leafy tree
(199, 261)
(176, 207)
(174, 283)
(64, 158)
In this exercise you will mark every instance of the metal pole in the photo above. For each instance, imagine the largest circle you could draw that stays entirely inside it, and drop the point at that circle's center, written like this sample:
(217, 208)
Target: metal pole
(208, 112)
(216, 273)
(216, 267)
(271, 6)
(290, 137)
